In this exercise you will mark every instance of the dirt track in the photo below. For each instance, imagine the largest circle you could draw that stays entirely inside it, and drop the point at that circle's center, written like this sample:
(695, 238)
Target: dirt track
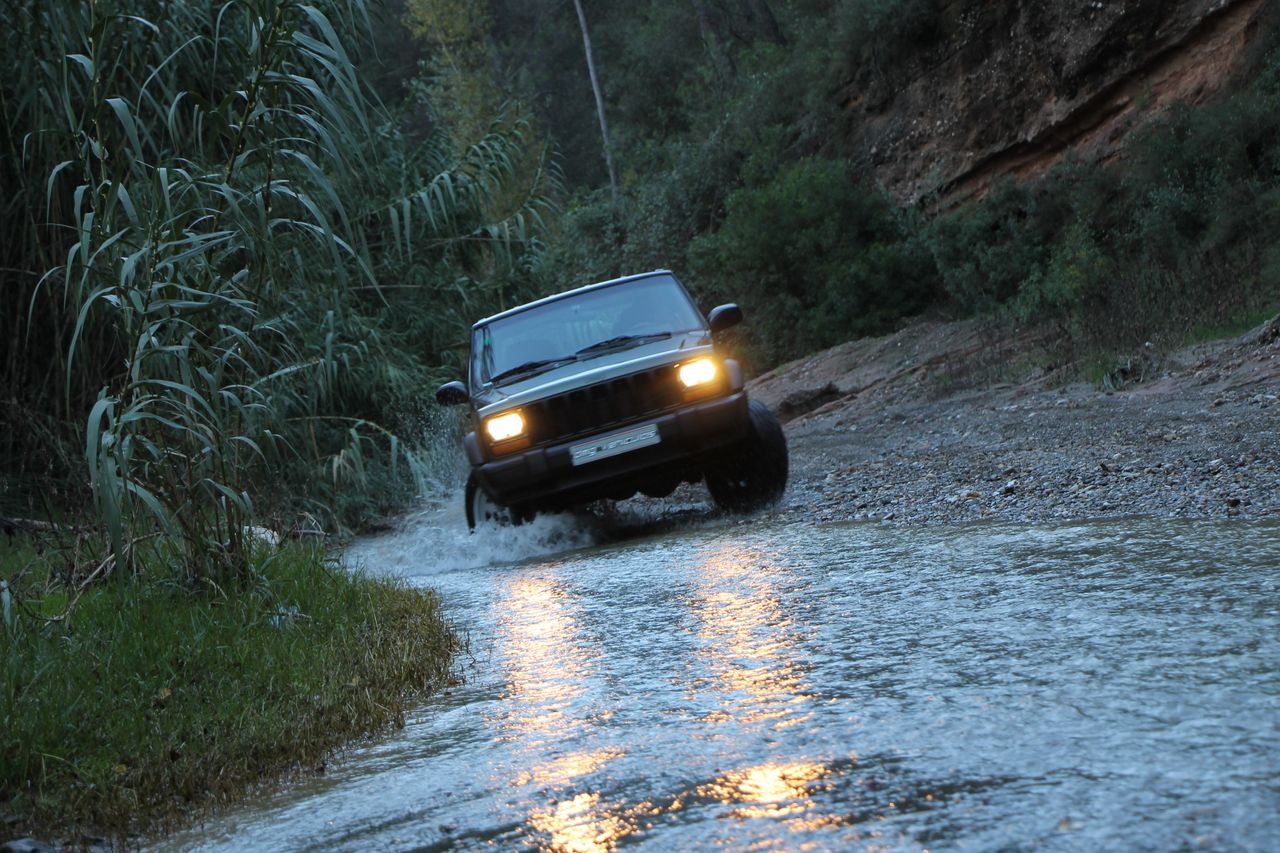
(912, 428)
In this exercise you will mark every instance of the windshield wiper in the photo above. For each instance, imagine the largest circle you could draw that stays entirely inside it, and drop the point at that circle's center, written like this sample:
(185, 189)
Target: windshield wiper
(622, 341)
(533, 366)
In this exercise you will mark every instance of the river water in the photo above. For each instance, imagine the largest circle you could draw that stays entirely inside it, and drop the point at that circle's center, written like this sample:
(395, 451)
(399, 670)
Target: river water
(710, 684)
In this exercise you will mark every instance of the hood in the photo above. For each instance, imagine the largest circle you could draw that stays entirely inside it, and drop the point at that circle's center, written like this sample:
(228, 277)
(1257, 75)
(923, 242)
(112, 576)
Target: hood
(594, 369)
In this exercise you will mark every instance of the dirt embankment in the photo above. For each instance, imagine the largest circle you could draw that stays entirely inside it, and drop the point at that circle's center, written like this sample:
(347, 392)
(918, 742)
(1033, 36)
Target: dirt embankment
(951, 422)
(1013, 88)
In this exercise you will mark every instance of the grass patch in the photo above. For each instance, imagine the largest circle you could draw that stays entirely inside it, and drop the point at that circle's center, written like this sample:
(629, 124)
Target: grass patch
(153, 700)
(1234, 325)
(1098, 366)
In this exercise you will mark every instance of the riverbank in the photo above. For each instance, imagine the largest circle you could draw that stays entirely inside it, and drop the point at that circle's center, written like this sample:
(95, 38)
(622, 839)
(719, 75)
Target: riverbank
(151, 701)
(944, 423)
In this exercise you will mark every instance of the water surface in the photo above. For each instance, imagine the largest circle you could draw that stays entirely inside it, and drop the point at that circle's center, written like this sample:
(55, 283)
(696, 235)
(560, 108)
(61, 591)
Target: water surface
(804, 687)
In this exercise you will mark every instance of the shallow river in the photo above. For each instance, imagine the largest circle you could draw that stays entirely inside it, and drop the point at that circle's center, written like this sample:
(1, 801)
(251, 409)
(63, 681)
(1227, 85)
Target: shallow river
(712, 685)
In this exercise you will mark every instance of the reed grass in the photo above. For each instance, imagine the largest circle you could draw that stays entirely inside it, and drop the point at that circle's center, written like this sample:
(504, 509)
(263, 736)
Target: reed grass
(231, 269)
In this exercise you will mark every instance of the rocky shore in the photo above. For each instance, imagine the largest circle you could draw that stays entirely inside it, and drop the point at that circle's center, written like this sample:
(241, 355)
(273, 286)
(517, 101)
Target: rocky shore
(913, 429)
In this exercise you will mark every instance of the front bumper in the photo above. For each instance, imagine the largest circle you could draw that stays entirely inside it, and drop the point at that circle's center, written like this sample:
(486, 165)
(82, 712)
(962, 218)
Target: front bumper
(545, 477)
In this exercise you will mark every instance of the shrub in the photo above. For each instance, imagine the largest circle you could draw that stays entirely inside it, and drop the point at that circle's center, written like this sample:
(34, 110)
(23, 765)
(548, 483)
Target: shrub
(814, 258)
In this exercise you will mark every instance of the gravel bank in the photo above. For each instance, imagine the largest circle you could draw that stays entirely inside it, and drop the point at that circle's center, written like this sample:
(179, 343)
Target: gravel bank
(898, 439)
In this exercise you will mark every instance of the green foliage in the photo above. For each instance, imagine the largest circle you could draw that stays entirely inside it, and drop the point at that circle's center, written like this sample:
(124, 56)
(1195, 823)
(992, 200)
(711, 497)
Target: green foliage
(877, 35)
(1076, 273)
(729, 174)
(458, 84)
(984, 252)
(814, 258)
(115, 714)
(708, 162)
(232, 271)
(1181, 236)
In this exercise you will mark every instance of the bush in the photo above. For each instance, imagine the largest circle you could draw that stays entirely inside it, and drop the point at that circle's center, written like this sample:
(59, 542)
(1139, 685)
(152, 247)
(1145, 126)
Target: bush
(238, 265)
(814, 258)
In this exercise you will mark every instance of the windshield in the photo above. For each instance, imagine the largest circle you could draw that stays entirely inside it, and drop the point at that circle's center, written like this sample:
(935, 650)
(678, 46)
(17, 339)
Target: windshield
(583, 327)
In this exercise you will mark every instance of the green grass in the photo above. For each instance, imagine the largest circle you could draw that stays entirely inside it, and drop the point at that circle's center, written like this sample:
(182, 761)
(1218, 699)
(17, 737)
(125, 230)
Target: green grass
(1233, 326)
(1098, 366)
(151, 701)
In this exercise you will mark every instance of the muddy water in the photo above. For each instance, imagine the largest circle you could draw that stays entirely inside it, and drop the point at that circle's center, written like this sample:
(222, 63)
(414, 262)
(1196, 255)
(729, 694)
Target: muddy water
(794, 686)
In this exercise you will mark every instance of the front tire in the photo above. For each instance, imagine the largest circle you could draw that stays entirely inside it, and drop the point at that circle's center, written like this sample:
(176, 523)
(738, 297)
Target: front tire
(481, 509)
(755, 474)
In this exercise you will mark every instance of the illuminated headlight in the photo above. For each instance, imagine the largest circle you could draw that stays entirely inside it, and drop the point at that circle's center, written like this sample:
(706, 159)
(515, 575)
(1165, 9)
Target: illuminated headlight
(505, 426)
(699, 372)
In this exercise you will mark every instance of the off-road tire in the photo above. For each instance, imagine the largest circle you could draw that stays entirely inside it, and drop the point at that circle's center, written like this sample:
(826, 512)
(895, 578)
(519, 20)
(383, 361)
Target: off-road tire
(754, 475)
(482, 509)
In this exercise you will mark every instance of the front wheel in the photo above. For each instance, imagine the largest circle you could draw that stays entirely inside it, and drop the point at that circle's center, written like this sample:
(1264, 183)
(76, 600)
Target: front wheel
(481, 509)
(484, 510)
(755, 474)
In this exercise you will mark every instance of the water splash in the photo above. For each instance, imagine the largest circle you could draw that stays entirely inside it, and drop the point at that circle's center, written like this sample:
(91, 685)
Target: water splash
(436, 540)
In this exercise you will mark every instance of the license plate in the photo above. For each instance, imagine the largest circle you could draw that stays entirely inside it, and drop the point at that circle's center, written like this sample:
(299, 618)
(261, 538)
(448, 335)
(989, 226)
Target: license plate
(612, 445)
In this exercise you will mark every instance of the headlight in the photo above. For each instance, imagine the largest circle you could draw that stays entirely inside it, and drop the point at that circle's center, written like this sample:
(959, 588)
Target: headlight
(505, 426)
(699, 372)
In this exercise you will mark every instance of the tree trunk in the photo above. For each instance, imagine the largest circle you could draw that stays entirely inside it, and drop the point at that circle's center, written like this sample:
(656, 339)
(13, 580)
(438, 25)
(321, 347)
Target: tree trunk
(722, 61)
(595, 87)
(764, 21)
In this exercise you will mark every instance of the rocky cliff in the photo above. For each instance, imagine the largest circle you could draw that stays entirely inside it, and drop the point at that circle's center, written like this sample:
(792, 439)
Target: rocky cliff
(1011, 87)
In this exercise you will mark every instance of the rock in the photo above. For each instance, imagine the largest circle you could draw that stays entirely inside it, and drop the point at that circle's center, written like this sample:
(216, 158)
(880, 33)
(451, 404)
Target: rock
(264, 535)
(26, 845)
(806, 400)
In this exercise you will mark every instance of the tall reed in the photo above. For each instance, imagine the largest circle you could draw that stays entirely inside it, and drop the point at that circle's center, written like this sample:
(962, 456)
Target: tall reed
(230, 265)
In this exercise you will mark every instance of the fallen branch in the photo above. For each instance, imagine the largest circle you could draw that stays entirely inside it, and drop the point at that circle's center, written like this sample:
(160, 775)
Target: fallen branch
(12, 525)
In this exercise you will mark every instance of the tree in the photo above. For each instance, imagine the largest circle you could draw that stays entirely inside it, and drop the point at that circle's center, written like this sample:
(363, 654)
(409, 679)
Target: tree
(763, 21)
(595, 87)
(460, 82)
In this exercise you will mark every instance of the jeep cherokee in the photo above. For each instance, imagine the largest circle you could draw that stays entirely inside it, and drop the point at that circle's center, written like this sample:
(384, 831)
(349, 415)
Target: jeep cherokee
(605, 391)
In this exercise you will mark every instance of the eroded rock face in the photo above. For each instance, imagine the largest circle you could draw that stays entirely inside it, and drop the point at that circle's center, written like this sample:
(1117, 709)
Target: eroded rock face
(1010, 88)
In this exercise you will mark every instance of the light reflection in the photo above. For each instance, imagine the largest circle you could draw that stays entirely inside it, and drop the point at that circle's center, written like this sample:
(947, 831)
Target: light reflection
(751, 651)
(563, 770)
(750, 644)
(548, 670)
(769, 790)
(550, 674)
(747, 670)
(580, 825)
(781, 793)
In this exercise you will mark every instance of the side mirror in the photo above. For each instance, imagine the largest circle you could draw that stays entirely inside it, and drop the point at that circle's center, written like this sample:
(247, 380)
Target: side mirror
(724, 317)
(452, 394)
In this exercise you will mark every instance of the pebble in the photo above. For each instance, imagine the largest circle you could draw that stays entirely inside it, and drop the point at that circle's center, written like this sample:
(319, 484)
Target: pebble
(1088, 459)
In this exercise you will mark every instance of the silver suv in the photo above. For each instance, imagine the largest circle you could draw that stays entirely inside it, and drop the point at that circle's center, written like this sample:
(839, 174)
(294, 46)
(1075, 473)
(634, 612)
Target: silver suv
(606, 391)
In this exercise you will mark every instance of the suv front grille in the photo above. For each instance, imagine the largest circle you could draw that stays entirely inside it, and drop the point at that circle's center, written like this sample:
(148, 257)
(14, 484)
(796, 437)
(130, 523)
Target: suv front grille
(612, 403)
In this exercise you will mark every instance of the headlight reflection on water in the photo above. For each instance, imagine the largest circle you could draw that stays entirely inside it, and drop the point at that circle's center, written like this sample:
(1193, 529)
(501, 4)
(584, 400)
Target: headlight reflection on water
(552, 671)
(745, 671)
(749, 650)
(578, 825)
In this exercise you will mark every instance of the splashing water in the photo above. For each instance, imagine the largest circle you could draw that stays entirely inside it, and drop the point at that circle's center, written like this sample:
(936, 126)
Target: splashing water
(435, 539)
